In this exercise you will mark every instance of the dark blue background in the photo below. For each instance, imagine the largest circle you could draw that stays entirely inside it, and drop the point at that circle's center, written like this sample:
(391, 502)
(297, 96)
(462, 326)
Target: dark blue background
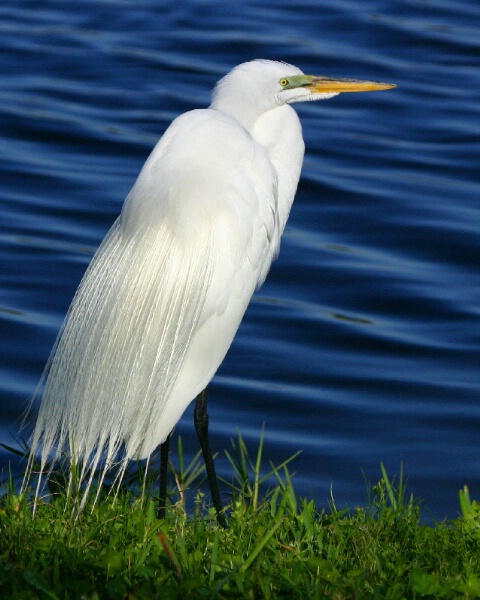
(364, 344)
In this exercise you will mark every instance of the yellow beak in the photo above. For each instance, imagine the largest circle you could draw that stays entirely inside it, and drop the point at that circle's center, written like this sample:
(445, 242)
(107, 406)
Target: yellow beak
(325, 85)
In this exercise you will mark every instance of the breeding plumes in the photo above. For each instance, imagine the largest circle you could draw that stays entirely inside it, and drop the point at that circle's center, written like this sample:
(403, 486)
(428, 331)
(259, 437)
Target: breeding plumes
(159, 305)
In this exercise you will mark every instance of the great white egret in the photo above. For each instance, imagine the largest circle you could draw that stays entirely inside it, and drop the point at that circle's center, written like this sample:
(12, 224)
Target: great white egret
(159, 305)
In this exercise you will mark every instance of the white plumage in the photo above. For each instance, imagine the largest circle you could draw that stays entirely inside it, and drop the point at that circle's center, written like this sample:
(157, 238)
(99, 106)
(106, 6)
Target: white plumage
(165, 293)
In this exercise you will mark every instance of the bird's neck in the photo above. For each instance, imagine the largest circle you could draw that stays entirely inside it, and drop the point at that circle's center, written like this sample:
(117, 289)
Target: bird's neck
(279, 132)
(244, 113)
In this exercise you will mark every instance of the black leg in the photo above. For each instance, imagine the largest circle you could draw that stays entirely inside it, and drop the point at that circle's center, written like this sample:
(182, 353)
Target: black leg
(162, 499)
(201, 427)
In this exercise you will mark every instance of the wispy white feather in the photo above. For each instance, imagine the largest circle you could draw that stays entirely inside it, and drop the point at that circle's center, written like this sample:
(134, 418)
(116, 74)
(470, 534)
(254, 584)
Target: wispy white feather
(122, 348)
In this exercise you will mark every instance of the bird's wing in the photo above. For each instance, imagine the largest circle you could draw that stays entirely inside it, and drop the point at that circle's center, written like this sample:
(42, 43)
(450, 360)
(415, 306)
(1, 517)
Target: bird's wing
(173, 277)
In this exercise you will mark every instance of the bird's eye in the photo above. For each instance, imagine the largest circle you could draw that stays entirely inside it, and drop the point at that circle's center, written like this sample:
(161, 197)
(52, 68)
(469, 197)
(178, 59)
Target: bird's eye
(284, 82)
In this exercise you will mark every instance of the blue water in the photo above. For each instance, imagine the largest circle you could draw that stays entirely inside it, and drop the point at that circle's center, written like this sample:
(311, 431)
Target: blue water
(363, 346)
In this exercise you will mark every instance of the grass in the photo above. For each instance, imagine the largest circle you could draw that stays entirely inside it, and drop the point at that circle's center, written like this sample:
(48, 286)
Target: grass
(276, 546)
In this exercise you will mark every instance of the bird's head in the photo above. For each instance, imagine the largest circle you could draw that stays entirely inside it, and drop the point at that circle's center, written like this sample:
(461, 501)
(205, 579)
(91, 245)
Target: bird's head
(255, 87)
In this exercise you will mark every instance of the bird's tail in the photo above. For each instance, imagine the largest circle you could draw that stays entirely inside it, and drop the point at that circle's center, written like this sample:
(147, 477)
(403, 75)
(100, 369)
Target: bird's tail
(119, 355)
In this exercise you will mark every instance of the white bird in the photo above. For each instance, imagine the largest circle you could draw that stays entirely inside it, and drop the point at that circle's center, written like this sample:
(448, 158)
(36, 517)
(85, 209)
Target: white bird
(161, 301)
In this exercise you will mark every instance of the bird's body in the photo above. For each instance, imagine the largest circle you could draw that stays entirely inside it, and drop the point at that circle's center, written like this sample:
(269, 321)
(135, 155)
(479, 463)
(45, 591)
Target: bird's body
(166, 291)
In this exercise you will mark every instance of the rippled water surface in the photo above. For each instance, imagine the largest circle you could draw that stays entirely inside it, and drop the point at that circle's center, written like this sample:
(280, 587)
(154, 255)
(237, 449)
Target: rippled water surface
(363, 346)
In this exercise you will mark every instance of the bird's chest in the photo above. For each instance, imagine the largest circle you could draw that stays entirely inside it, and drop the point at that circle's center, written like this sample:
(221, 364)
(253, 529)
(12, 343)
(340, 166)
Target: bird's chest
(279, 133)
